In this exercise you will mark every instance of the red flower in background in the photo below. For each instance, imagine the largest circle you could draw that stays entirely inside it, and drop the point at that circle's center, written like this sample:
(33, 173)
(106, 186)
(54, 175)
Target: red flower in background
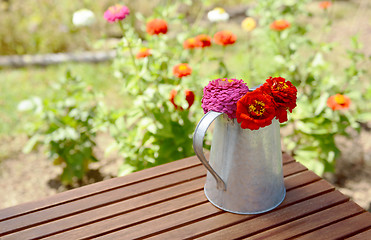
(182, 70)
(190, 43)
(338, 102)
(157, 26)
(280, 25)
(116, 13)
(190, 97)
(143, 52)
(173, 94)
(203, 40)
(325, 4)
(255, 110)
(224, 38)
(284, 95)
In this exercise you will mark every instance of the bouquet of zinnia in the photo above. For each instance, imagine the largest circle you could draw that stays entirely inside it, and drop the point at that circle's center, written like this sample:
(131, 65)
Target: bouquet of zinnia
(253, 109)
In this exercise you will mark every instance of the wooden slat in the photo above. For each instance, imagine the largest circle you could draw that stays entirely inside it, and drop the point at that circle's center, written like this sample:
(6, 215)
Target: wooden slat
(86, 217)
(102, 199)
(311, 222)
(158, 192)
(70, 207)
(99, 187)
(106, 185)
(206, 211)
(194, 201)
(292, 168)
(342, 229)
(279, 216)
(361, 236)
(117, 210)
(293, 195)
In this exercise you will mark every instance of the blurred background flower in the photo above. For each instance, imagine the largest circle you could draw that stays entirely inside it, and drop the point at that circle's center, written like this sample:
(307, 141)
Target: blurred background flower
(116, 13)
(325, 4)
(190, 43)
(248, 24)
(217, 15)
(157, 26)
(182, 70)
(83, 18)
(338, 102)
(224, 38)
(280, 25)
(143, 52)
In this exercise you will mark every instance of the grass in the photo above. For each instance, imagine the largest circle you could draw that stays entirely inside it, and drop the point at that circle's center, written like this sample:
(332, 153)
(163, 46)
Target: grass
(19, 84)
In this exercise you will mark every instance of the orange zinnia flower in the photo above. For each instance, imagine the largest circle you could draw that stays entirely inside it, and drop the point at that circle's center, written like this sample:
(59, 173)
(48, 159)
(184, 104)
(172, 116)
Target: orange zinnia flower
(190, 43)
(182, 70)
(280, 25)
(325, 4)
(157, 26)
(224, 38)
(143, 52)
(338, 102)
(203, 40)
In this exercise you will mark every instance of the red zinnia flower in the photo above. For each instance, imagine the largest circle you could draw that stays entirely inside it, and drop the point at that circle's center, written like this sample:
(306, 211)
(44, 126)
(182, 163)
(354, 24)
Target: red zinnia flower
(284, 95)
(255, 110)
(224, 38)
(173, 94)
(116, 13)
(203, 40)
(182, 70)
(143, 52)
(338, 102)
(325, 4)
(190, 43)
(190, 97)
(157, 26)
(280, 25)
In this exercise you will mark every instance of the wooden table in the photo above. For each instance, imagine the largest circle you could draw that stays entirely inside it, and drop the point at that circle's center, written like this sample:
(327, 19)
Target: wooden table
(168, 202)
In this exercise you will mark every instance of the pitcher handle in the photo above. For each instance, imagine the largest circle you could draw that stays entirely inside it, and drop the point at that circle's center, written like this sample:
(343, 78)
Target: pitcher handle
(198, 141)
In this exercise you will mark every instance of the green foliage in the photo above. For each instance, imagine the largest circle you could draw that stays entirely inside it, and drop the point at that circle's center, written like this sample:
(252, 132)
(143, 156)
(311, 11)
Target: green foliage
(149, 130)
(152, 131)
(314, 125)
(65, 125)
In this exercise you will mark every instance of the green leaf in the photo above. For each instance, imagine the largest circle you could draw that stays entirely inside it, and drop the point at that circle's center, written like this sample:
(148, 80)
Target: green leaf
(125, 169)
(322, 103)
(31, 143)
(311, 163)
(364, 117)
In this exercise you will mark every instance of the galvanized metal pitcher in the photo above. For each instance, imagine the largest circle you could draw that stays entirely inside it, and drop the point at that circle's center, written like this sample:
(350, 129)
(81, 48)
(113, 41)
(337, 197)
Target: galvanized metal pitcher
(245, 168)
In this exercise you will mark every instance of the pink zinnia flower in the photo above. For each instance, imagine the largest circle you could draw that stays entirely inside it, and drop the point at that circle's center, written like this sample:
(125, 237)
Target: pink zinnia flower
(116, 13)
(222, 95)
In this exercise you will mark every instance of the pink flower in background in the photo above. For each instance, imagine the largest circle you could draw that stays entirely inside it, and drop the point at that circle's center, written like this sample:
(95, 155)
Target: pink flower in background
(116, 13)
(222, 95)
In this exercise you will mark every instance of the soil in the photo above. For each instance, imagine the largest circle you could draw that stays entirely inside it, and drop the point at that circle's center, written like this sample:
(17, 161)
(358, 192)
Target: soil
(28, 177)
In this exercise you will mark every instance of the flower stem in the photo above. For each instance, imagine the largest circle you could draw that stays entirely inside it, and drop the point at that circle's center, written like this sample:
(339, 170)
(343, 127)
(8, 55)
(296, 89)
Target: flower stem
(129, 46)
